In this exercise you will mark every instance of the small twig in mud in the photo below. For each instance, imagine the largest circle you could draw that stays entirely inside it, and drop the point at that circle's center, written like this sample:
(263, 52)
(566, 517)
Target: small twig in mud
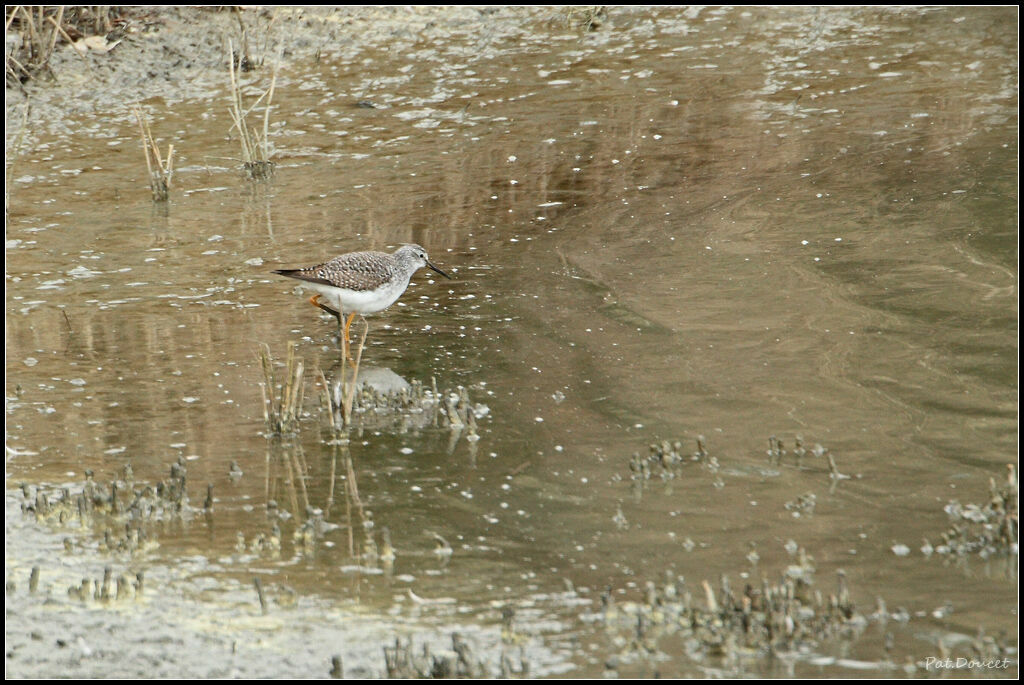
(67, 322)
(441, 547)
(337, 670)
(833, 470)
(160, 170)
(259, 593)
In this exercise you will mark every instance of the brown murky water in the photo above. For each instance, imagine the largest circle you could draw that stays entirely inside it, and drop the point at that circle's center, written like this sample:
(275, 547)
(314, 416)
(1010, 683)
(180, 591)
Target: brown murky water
(731, 223)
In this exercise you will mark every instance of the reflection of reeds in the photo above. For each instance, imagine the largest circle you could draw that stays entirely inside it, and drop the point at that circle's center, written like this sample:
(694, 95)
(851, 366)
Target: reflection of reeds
(255, 147)
(281, 413)
(340, 418)
(160, 169)
(352, 499)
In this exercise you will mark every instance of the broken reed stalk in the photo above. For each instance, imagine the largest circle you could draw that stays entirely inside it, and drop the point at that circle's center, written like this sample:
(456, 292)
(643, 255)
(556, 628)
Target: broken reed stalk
(255, 149)
(281, 413)
(160, 170)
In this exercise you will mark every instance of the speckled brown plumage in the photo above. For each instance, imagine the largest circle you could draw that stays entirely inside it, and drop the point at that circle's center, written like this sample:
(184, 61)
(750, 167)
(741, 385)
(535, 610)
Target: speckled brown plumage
(358, 271)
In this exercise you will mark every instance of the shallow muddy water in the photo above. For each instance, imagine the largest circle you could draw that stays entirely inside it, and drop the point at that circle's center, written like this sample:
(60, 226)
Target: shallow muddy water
(735, 223)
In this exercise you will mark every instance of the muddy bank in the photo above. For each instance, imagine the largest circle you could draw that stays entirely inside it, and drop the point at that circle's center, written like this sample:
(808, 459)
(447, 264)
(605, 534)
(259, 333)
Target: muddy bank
(168, 55)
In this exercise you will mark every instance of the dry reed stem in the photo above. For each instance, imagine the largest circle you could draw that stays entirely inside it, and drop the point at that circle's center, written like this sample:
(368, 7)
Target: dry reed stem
(281, 413)
(10, 19)
(53, 36)
(33, 35)
(255, 151)
(245, 40)
(160, 171)
(294, 390)
(268, 383)
(266, 117)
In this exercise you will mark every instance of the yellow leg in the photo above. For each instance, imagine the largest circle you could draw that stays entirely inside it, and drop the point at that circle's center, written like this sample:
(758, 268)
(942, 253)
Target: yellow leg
(348, 324)
(348, 343)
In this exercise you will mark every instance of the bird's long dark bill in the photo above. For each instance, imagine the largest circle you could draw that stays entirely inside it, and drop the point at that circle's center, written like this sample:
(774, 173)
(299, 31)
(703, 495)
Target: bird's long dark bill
(439, 271)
